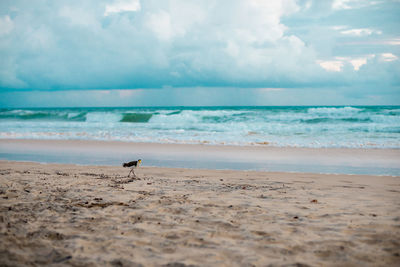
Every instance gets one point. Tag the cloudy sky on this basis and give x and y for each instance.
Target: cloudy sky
(192, 52)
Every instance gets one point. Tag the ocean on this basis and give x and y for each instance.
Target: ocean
(298, 126)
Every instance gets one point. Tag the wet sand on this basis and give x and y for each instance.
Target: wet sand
(94, 215)
(261, 158)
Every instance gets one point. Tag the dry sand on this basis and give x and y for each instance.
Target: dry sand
(90, 215)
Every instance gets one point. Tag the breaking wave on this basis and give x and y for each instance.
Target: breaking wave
(277, 126)
(41, 115)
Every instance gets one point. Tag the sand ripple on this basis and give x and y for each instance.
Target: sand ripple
(77, 215)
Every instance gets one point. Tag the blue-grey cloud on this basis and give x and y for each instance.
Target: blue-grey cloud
(127, 44)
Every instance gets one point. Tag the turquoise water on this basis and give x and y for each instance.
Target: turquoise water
(317, 126)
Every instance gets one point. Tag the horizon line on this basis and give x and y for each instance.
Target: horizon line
(191, 106)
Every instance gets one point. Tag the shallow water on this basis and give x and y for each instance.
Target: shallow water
(339, 161)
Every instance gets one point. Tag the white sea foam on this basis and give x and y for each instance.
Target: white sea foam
(334, 111)
(367, 127)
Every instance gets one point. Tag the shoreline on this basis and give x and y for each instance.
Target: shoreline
(96, 215)
(183, 169)
(256, 145)
(262, 158)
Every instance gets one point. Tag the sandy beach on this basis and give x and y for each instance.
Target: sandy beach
(58, 214)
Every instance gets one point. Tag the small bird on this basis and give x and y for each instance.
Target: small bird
(133, 165)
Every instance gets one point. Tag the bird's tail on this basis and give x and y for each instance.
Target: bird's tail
(125, 165)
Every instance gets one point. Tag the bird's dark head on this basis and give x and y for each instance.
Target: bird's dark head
(139, 161)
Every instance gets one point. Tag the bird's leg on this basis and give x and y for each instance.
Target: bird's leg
(134, 174)
(130, 173)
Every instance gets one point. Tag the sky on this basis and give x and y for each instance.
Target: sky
(190, 52)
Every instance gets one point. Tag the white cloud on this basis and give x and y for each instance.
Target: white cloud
(160, 24)
(360, 32)
(6, 25)
(77, 15)
(122, 6)
(389, 41)
(355, 32)
(341, 4)
(350, 4)
(331, 65)
(232, 49)
(339, 27)
(394, 41)
(338, 63)
(174, 20)
(307, 5)
(358, 62)
(388, 57)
